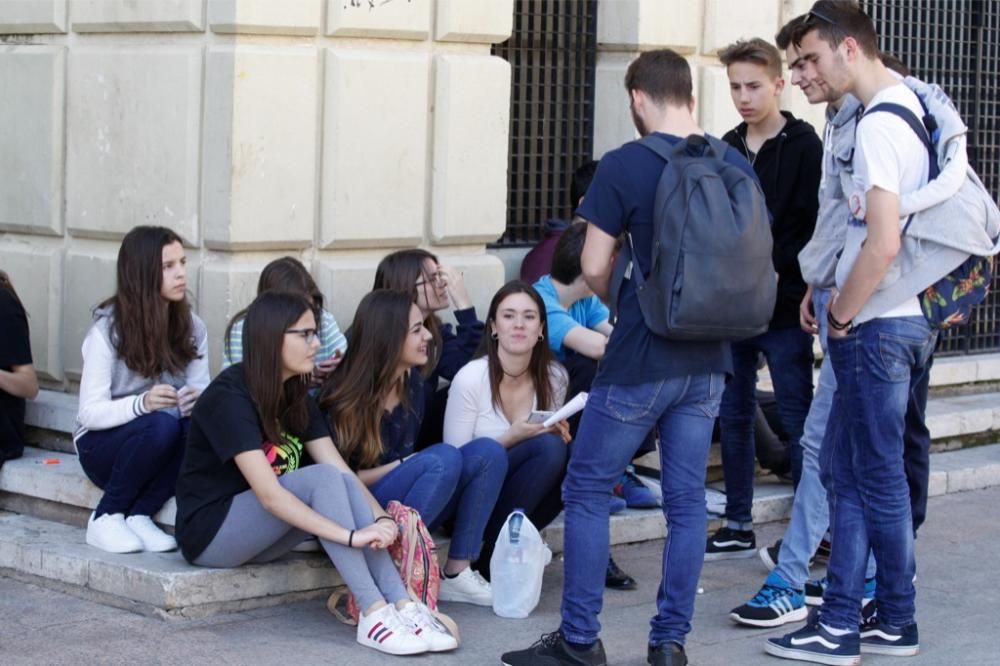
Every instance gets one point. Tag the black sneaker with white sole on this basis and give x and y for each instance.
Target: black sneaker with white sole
(554, 650)
(817, 644)
(877, 637)
(727, 544)
(769, 555)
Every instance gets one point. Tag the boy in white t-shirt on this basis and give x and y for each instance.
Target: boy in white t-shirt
(877, 350)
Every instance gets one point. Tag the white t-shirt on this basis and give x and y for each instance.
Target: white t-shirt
(470, 412)
(888, 154)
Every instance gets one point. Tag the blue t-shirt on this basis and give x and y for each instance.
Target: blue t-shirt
(587, 312)
(620, 199)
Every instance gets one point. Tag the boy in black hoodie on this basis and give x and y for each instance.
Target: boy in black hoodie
(787, 155)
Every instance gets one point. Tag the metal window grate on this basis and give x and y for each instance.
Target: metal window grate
(552, 52)
(956, 44)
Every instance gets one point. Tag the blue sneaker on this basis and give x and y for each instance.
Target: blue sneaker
(616, 505)
(878, 637)
(776, 604)
(815, 643)
(816, 588)
(634, 492)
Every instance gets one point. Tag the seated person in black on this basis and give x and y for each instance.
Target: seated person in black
(17, 375)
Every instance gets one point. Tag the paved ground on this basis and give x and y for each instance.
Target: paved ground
(957, 599)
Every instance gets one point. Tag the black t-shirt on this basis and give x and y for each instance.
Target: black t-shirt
(620, 199)
(15, 349)
(224, 424)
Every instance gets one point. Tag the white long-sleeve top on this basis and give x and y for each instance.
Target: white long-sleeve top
(111, 394)
(470, 412)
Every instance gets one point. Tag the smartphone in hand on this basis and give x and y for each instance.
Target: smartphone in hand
(537, 416)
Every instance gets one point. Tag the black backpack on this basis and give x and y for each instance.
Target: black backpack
(712, 276)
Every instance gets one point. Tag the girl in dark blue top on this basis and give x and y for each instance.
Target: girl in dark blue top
(375, 404)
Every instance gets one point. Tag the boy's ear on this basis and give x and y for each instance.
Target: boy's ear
(779, 85)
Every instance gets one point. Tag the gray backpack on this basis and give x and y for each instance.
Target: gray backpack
(712, 277)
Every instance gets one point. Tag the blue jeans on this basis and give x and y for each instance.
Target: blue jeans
(876, 365)
(790, 361)
(136, 464)
(443, 482)
(810, 511)
(615, 422)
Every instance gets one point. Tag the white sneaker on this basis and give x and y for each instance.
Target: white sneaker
(467, 587)
(109, 533)
(428, 627)
(153, 538)
(384, 630)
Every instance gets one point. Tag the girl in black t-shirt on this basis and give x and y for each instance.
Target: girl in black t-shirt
(17, 375)
(375, 404)
(241, 496)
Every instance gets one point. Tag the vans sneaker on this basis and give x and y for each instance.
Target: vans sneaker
(428, 627)
(384, 630)
(553, 650)
(153, 538)
(816, 588)
(814, 642)
(776, 603)
(727, 544)
(468, 587)
(769, 555)
(666, 654)
(109, 533)
(878, 637)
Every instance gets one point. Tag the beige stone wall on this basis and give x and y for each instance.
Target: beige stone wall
(333, 130)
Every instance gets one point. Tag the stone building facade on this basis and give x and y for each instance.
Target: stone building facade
(332, 130)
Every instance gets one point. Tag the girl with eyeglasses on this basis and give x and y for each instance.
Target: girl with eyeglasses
(145, 362)
(375, 405)
(242, 495)
(18, 381)
(431, 286)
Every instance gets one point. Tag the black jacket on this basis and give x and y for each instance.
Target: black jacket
(788, 166)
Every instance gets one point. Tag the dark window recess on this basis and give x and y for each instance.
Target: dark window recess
(956, 44)
(552, 54)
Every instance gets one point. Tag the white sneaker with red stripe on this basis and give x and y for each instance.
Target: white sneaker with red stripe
(384, 630)
(428, 627)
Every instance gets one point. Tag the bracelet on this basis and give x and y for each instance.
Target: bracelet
(350, 539)
(384, 518)
(837, 325)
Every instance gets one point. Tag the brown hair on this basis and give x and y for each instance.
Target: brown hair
(755, 51)
(281, 406)
(790, 32)
(354, 395)
(836, 20)
(894, 63)
(400, 271)
(150, 335)
(541, 355)
(663, 75)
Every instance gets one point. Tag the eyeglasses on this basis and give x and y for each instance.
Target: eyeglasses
(307, 334)
(435, 280)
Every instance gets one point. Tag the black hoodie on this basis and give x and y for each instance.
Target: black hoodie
(788, 166)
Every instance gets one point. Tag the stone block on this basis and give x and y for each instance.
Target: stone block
(487, 21)
(133, 140)
(959, 370)
(227, 286)
(715, 110)
(138, 15)
(32, 17)
(344, 279)
(612, 120)
(987, 368)
(378, 19)
(260, 147)
(53, 410)
(648, 24)
(937, 484)
(729, 20)
(792, 8)
(471, 128)
(265, 17)
(36, 271)
(31, 138)
(375, 165)
(973, 478)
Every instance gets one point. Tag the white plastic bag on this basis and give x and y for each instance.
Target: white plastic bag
(516, 567)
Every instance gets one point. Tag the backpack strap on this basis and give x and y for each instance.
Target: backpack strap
(921, 129)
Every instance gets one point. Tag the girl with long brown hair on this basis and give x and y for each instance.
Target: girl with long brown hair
(18, 381)
(375, 404)
(145, 362)
(494, 397)
(431, 285)
(242, 495)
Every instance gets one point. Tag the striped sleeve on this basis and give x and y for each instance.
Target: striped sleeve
(331, 340)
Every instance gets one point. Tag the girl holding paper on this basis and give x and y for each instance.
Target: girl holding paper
(494, 396)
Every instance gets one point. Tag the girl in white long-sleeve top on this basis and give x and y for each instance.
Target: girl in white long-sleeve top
(145, 362)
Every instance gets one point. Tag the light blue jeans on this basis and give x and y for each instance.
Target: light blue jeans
(810, 509)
